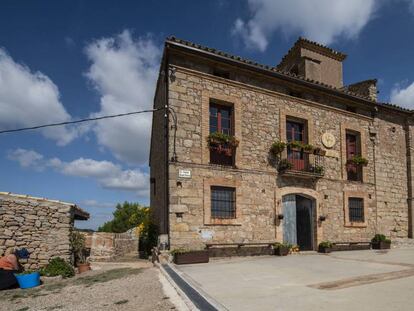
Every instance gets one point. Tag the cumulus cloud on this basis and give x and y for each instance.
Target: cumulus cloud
(30, 98)
(107, 174)
(27, 158)
(124, 71)
(319, 20)
(403, 96)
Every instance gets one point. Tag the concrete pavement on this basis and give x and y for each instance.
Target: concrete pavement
(359, 280)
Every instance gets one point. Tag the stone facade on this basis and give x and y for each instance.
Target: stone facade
(261, 104)
(110, 246)
(40, 225)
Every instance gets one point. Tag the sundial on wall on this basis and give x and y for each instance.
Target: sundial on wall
(328, 140)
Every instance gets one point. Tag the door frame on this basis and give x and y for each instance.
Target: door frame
(307, 193)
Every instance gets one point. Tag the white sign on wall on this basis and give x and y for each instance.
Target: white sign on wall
(184, 173)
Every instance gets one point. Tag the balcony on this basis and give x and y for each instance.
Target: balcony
(299, 163)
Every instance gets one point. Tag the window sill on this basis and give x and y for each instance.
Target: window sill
(356, 225)
(222, 222)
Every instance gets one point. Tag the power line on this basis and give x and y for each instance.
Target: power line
(78, 121)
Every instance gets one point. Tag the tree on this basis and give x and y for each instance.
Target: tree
(126, 216)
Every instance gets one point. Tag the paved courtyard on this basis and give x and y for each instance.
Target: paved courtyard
(357, 280)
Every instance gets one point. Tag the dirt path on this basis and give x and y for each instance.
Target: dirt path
(112, 286)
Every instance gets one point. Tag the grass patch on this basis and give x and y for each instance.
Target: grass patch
(107, 276)
(121, 302)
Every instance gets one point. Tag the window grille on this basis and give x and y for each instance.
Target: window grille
(356, 210)
(223, 202)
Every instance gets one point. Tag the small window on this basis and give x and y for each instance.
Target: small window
(353, 148)
(223, 202)
(356, 210)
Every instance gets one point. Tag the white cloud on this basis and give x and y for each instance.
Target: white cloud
(319, 20)
(26, 158)
(108, 175)
(124, 72)
(30, 98)
(403, 97)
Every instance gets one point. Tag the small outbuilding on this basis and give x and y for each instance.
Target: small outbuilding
(41, 225)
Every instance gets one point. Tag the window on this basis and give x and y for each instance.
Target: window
(295, 131)
(221, 120)
(356, 210)
(353, 148)
(223, 202)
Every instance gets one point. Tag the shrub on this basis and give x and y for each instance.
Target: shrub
(282, 245)
(77, 241)
(284, 165)
(218, 138)
(57, 266)
(380, 238)
(277, 147)
(296, 144)
(26, 272)
(308, 148)
(358, 160)
(179, 251)
(325, 244)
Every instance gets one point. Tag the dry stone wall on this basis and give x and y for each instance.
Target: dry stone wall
(109, 246)
(43, 227)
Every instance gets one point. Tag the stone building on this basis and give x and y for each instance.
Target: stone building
(344, 175)
(42, 226)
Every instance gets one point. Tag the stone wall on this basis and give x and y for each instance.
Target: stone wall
(110, 246)
(41, 226)
(259, 119)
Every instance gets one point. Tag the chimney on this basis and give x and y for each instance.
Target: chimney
(367, 88)
(314, 62)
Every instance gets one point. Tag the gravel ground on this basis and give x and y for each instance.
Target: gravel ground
(111, 286)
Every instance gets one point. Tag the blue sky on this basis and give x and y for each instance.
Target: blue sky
(63, 60)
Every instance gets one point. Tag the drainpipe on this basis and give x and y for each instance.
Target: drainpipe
(167, 144)
(408, 140)
(373, 138)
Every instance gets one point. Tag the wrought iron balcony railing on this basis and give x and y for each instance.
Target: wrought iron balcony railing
(301, 163)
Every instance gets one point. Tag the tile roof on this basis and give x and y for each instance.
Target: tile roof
(78, 211)
(271, 69)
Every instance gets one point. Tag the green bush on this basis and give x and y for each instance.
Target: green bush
(57, 266)
(325, 244)
(380, 238)
(282, 245)
(277, 147)
(179, 251)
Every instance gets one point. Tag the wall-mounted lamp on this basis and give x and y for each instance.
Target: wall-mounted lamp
(280, 216)
(322, 218)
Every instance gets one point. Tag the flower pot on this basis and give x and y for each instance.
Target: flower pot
(325, 250)
(281, 251)
(83, 267)
(191, 257)
(381, 245)
(28, 280)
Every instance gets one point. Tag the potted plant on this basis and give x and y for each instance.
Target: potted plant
(28, 279)
(325, 247)
(184, 256)
(222, 143)
(319, 151)
(319, 170)
(282, 249)
(358, 160)
(308, 148)
(277, 147)
(58, 267)
(284, 165)
(78, 246)
(380, 241)
(295, 145)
